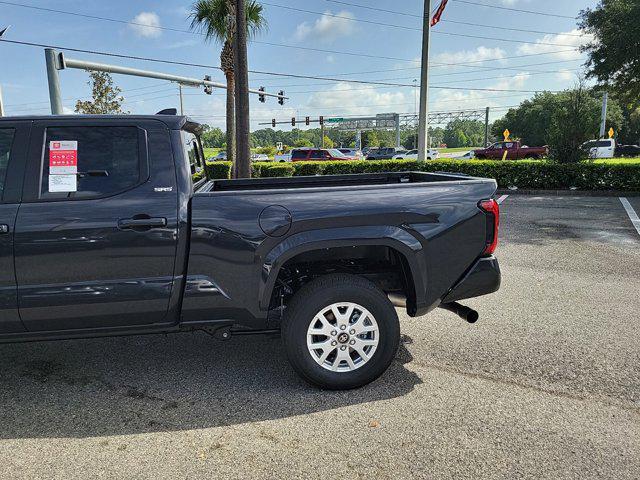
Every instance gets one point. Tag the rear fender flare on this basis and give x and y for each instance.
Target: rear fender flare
(387, 235)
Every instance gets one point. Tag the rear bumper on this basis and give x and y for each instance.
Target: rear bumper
(481, 279)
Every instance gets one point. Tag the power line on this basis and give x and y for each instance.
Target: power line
(418, 29)
(514, 68)
(129, 22)
(328, 79)
(87, 98)
(459, 1)
(533, 12)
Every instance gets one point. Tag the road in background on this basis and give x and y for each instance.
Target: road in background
(545, 385)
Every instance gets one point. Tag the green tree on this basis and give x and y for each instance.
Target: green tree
(370, 138)
(106, 96)
(532, 120)
(213, 137)
(328, 143)
(212, 18)
(464, 133)
(303, 142)
(614, 53)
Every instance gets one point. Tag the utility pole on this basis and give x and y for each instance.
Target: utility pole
(181, 105)
(54, 81)
(424, 82)
(396, 119)
(322, 135)
(1, 104)
(603, 118)
(243, 151)
(486, 128)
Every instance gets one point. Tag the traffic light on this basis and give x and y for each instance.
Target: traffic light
(208, 89)
(306, 120)
(273, 122)
(321, 120)
(293, 121)
(261, 96)
(281, 97)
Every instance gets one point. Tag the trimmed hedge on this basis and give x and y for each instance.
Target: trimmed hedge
(539, 175)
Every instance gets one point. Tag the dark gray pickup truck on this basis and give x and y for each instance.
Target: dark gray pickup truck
(104, 232)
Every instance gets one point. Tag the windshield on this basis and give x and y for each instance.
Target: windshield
(335, 152)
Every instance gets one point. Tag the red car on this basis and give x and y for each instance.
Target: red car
(514, 150)
(318, 154)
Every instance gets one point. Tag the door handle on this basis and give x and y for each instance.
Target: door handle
(133, 223)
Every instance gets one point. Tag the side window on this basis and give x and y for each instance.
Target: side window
(298, 154)
(508, 145)
(317, 154)
(6, 140)
(89, 162)
(192, 152)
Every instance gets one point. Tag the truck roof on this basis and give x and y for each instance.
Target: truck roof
(173, 122)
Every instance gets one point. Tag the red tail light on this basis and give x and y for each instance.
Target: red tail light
(492, 211)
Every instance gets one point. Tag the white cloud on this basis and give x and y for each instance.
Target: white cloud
(465, 56)
(326, 28)
(351, 99)
(565, 75)
(470, 99)
(146, 24)
(570, 42)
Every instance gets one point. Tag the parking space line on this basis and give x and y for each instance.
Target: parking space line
(502, 199)
(633, 216)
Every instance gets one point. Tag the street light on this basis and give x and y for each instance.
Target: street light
(4, 30)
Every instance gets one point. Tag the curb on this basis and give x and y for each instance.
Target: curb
(580, 193)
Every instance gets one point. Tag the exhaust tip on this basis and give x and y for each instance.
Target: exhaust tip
(466, 313)
(472, 316)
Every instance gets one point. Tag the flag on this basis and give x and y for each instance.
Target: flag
(436, 16)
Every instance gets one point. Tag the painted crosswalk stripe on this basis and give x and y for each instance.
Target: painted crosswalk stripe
(635, 220)
(502, 199)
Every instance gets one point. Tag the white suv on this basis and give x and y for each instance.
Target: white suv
(431, 154)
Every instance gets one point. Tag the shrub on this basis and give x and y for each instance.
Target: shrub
(218, 170)
(524, 174)
(269, 169)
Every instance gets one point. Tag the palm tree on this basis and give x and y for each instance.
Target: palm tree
(211, 17)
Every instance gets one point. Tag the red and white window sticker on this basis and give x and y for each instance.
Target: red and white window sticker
(63, 165)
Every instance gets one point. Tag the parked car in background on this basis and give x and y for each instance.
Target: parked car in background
(221, 156)
(259, 157)
(431, 154)
(352, 152)
(607, 148)
(317, 154)
(282, 157)
(382, 153)
(515, 151)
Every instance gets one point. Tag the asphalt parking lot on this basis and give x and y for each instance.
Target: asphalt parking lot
(545, 385)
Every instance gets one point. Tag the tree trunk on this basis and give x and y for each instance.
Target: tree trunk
(231, 130)
(243, 157)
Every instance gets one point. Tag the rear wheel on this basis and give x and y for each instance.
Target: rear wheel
(340, 331)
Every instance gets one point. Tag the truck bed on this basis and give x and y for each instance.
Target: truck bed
(324, 181)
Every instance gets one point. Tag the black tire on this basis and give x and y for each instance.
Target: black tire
(321, 293)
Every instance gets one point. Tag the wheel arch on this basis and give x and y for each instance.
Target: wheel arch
(408, 249)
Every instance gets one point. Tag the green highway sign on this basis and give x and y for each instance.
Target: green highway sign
(334, 120)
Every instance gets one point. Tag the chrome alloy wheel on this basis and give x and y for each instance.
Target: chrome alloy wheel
(342, 337)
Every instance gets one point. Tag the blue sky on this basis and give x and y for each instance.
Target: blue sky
(389, 51)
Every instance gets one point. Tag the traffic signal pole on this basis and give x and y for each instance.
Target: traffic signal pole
(424, 82)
